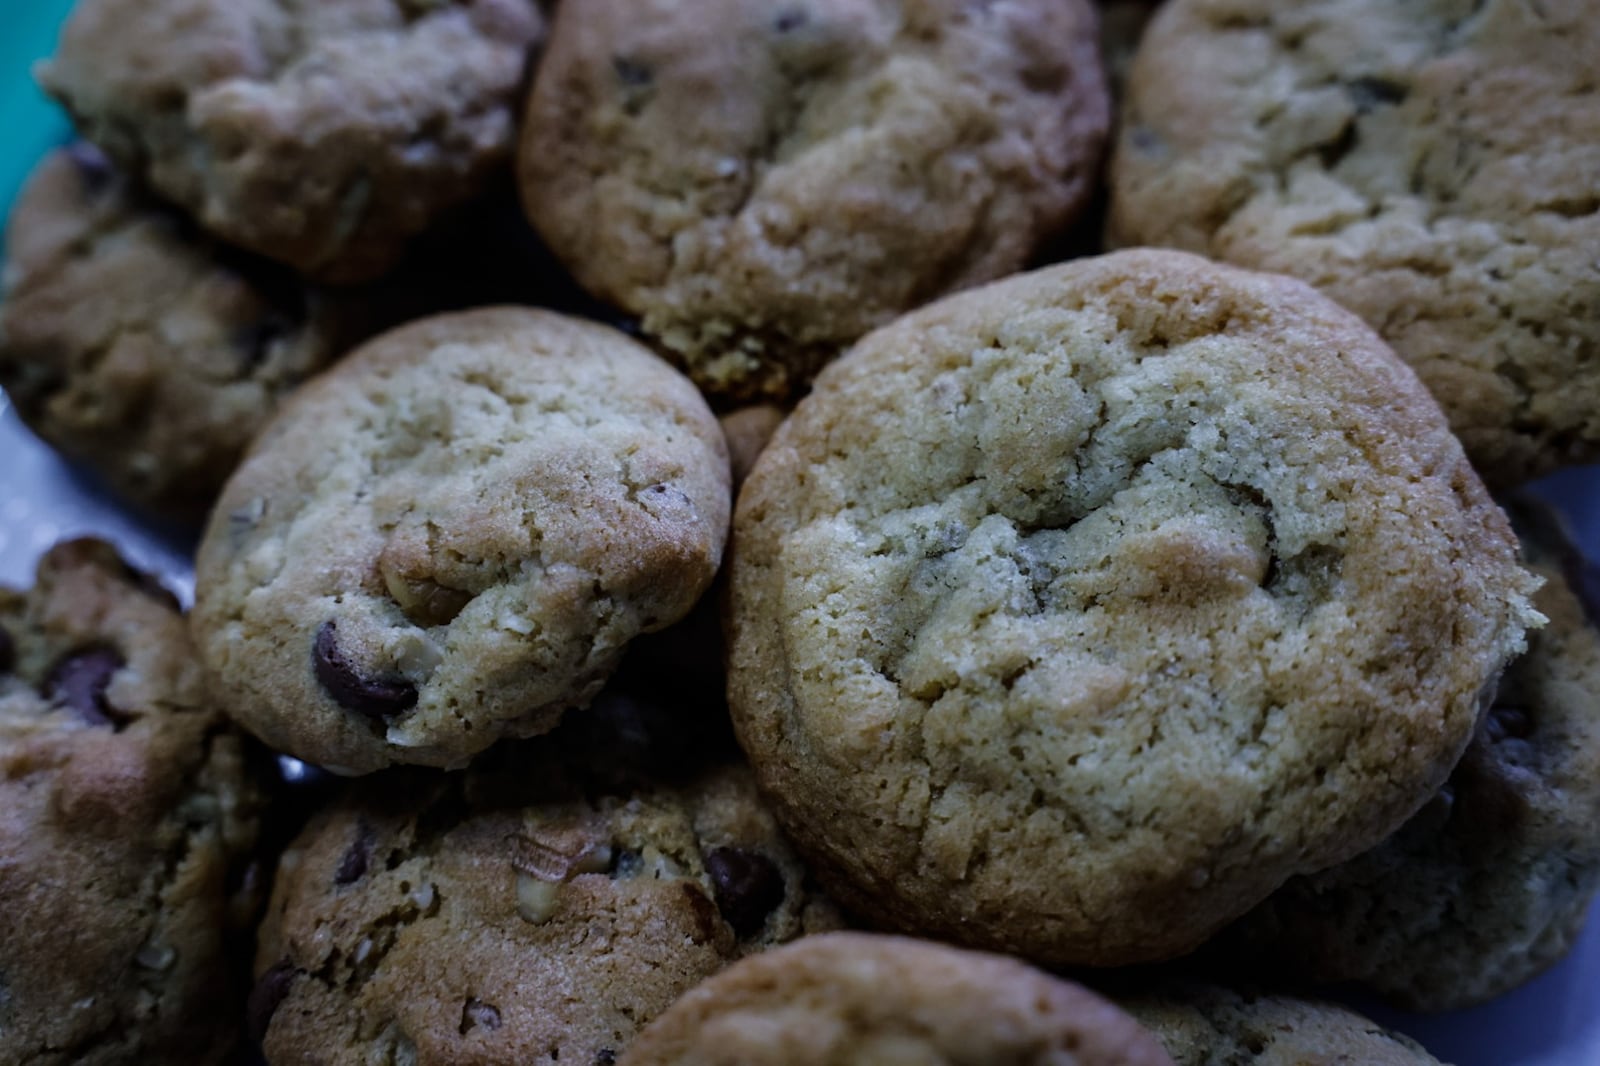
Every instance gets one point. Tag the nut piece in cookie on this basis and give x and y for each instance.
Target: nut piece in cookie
(1489, 883)
(323, 135)
(539, 906)
(1432, 166)
(136, 345)
(128, 813)
(1073, 615)
(761, 183)
(1201, 1025)
(859, 997)
(452, 537)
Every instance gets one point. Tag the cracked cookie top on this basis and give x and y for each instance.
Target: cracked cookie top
(128, 813)
(1073, 615)
(856, 999)
(1202, 1025)
(1490, 882)
(1432, 165)
(451, 537)
(135, 344)
(544, 905)
(763, 183)
(323, 135)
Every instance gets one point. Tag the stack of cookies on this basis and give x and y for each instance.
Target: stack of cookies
(707, 554)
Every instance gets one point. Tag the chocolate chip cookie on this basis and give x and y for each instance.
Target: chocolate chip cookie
(1431, 165)
(861, 998)
(1073, 615)
(544, 905)
(1490, 882)
(763, 183)
(128, 810)
(452, 536)
(134, 344)
(1201, 1025)
(321, 135)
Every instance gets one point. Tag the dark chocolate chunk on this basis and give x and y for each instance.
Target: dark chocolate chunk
(377, 697)
(477, 1014)
(749, 886)
(353, 863)
(8, 651)
(1503, 722)
(265, 998)
(79, 680)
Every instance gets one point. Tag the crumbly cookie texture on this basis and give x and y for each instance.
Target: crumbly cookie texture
(1489, 883)
(128, 811)
(452, 536)
(1431, 165)
(139, 347)
(323, 135)
(1073, 615)
(763, 183)
(1201, 1025)
(844, 999)
(542, 906)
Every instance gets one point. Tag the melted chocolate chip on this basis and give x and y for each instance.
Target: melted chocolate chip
(376, 697)
(705, 912)
(353, 863)
(749, 886)
(1507, 722)
(266, 997)
(8, 651)
(79, 680)
(477, 1014)
(94, 169)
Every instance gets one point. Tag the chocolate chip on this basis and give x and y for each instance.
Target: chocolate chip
(265, 998)
(79, 679)
(1370, 93)
(376, 697)
(605, 1057)
(705, 912)
(749, 886)
(94, 169)
(790, 19)
(475, 1014)
(1503, 722)
(353, 863)
(8, 651)
(631, 72)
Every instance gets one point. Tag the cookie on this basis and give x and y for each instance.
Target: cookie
(762, 184)
(858, 997)
(748, 430)
(1071, 616)
(1431, 165)
(1490, 882)
(128, 812)
(452, 536)
(142, 349)
(544, 905)
(324, 136)
(1201, 1025)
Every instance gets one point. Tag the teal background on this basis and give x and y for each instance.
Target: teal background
(29, 122)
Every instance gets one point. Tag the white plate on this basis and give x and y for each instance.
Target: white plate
(1552, 1021)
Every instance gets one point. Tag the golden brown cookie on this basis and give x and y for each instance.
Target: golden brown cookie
(1073, 615)
(452, 536)
(763, 183)
(323, 135)
(128, 813)
(844, 999)
(1431, 165)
